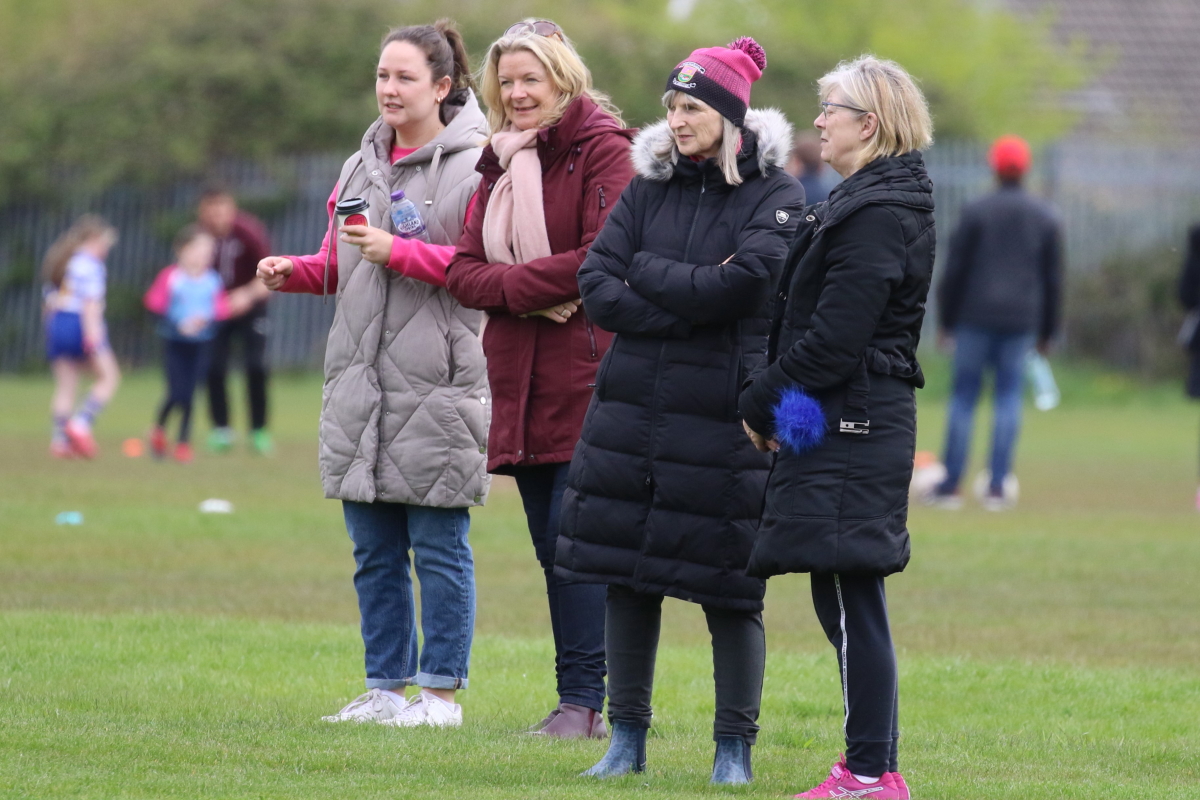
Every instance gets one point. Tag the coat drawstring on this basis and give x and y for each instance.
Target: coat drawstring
(578, 151)
(433, 174)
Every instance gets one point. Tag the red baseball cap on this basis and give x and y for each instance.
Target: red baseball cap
(1010, 157)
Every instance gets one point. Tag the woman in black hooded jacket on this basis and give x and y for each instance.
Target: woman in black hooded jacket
(836, 402)
(664, 491)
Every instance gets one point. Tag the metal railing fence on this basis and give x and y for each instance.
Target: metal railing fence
(1115, 200)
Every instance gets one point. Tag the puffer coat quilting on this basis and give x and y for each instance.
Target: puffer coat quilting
(665, 490)
(406, 407)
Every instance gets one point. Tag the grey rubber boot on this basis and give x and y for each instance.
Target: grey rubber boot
(731, 764)
(626, 752)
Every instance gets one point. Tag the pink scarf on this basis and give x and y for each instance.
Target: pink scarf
(514, 224)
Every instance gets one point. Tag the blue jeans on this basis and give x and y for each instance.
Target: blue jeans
(977, 349)
(383, 533)
(576, 609)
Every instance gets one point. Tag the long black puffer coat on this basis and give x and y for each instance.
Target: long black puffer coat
(665, 490)
(845, 332)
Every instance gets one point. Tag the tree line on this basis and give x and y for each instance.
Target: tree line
(108, 91)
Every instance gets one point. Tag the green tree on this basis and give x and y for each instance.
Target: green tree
(110, 90)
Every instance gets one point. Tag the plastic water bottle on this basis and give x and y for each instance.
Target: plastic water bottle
(1045, 391)
(406, 219)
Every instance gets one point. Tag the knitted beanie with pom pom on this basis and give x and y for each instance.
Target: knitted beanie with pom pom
(721, 76)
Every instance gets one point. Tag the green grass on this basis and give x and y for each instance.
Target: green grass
(156, 652)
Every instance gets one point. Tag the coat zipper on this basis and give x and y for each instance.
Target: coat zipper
(687, 249)
(603, 203)
(587, 323)
(662, 350)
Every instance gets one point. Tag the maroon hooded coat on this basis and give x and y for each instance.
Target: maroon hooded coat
(542, 372)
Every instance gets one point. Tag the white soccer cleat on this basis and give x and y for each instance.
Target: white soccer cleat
(425, 709)
(374, 706)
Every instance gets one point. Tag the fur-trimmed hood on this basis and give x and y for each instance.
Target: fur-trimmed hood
(654, 154)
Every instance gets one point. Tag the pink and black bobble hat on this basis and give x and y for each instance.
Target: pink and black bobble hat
(721, 76)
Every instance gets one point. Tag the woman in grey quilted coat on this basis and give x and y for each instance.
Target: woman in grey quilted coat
(406, 407)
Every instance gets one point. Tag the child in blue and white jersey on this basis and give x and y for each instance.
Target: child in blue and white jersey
(76, 336)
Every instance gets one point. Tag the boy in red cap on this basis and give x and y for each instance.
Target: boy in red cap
(999, 297)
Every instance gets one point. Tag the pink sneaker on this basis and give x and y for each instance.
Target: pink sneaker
(79, 434)
(901, 786)
(841, 783)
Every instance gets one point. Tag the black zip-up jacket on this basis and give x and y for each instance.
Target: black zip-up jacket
(847, 323)
(665, 490)
(1003, 271)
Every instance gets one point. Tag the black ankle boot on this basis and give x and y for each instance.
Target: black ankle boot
(626, 752)
(731, 764)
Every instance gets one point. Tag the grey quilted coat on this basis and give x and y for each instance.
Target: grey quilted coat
(406, 407)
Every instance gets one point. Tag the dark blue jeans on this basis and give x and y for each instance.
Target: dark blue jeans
(184, 361)
(975, 350)
(383, 533)
(576, 609)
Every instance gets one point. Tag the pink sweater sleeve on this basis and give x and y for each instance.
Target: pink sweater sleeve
(158, 296)
(424, 262)
(308, 272)
(221, 309)
(410, 257)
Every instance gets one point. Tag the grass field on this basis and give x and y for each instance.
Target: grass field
(154, 652)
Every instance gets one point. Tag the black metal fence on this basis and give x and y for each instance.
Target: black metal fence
(1115, 200)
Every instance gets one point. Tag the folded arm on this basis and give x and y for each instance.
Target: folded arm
(544, 282)
(607, 298)
(717, 293)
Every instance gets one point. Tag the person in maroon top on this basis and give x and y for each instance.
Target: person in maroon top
(242, 242)
(559, 153)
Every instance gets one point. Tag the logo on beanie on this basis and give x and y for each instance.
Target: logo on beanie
(781, 216)
(687, 71)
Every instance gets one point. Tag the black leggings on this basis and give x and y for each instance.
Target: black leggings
(853, 611)
(739, 645)
(251, 328)
(185, 363)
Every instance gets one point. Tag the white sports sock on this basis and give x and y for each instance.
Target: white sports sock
(865, 780)
(397, 697)
(433, 696)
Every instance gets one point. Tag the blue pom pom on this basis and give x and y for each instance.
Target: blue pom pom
(799, 421)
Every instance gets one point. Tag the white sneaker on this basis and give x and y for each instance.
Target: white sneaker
(1005, 501)
(425, 709)
(376, 705)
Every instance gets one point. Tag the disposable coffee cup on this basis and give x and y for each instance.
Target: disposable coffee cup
(352, 212)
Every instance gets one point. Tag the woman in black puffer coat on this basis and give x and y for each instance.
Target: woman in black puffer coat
(664, 491)
(837, 401)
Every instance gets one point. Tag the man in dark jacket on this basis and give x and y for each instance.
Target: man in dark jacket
(999, 297)
(241, 243)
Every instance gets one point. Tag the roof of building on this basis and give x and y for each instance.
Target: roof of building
(1150, 72)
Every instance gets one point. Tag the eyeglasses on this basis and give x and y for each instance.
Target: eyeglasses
(542, 27)
(825, 106)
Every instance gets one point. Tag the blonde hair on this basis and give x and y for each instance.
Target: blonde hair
(886, 90)
(86, 228)
(731, 139)
(563, 65)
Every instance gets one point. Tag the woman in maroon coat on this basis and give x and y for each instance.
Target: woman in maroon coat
(556, 164)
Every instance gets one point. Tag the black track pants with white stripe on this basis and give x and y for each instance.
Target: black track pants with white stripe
(853, 611)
